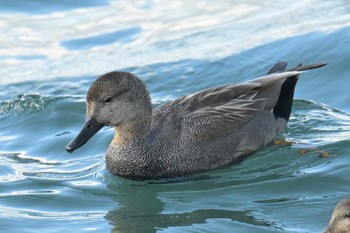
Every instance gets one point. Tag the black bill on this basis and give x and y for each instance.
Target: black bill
(90, 128)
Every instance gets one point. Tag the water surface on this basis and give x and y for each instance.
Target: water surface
(53, 51)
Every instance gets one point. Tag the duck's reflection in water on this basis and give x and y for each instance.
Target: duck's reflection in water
(141, 210)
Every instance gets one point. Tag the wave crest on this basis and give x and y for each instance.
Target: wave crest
(24, 103)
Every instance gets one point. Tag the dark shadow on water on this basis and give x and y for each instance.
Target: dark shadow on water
(140, 210)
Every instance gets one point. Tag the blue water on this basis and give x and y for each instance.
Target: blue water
(50, 53)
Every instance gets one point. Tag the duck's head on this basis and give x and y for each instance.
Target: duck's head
(116, 99)
(340, 220)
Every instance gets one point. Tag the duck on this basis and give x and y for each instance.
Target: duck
(340, 220)
(210, 129)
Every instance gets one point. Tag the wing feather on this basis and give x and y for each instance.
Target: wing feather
(218, 111)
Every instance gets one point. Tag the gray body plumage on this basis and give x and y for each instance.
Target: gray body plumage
(171, 152)
(210, 129)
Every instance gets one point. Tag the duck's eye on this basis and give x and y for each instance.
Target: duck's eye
(347, 215)
(108, 99)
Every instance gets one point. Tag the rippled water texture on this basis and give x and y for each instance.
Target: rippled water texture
(50, 53)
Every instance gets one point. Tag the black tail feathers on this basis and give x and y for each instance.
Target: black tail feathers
(284, 103)
(309, 67)
(278, 67)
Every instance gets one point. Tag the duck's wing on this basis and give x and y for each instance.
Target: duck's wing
(220, 110)
(238, 96)
(212, 122)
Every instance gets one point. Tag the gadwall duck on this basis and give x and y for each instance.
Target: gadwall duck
(340, 220)
(207, 130)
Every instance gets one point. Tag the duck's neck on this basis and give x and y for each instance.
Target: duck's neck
(129, 131)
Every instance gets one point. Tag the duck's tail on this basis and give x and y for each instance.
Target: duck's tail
(284, 103)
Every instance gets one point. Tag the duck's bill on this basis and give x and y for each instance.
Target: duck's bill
(90, 128)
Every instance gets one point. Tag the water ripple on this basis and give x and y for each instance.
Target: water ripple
(318, 124)
(27, 213)
(20, 166)
(120, 36)
(24, 103)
